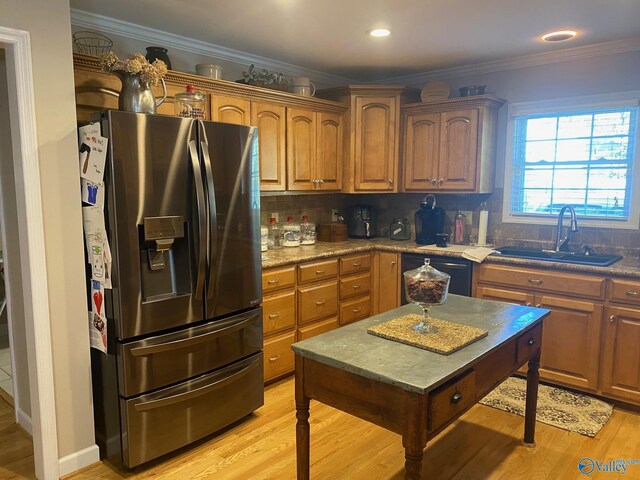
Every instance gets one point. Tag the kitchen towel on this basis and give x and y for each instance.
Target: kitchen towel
(477, 254)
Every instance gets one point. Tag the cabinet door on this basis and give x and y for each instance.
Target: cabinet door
(227, 109)
(570, 341)
(376, 156)
(621, 353)
(271, 122)
(329, 151)
(387, 282)
(505, 295)
(301, 149)
(458, 148)
(421, 150)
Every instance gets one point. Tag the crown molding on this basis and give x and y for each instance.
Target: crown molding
(105, 24)
(523, 61)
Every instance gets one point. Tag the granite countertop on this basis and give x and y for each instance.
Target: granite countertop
(627, 267)
(352, 349)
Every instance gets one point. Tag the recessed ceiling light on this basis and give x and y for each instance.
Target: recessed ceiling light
(379, 32)
(559, 36)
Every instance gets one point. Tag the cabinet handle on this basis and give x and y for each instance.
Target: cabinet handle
(631, 293)
(531, 341)
(440, 181)
(356, 310)
(535, 281)
(273, 359)
(274, 281)
(320, 181)
(356, 264)
(320, 302)
(433, 181)
(356, 286)
(527, 304)
(392, 263)
(390, 181)
(537, 305)
(319, 272)
(274, 315)
(456, 397)
(612, 318)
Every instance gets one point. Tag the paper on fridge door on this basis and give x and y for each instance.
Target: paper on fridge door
(92, 193)
(97, 318)
(93, 156)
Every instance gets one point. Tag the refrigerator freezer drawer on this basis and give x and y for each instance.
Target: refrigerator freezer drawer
(163, 360)
(163, 421)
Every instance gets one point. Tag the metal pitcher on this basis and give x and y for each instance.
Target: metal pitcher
(136, 95)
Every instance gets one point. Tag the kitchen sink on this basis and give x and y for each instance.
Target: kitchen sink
(563, 257)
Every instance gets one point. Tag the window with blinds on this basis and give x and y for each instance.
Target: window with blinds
(581, 158)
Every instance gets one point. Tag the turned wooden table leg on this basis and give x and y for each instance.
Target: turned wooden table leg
(302, 424)
(533, 377)
(414, 438)
(413, 464)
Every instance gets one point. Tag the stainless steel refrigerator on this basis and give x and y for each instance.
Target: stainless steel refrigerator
(184, 324)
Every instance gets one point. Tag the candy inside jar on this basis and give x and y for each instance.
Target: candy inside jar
(426, 286)
(190, 104)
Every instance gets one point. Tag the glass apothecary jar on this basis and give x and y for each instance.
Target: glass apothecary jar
(190, 104)
(426, 286)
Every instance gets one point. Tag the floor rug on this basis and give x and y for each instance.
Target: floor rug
(563, 409)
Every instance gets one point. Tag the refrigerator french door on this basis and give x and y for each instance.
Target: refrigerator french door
(184, 323)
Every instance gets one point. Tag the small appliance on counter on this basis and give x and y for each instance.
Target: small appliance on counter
(429, 221)
(399, 229)
(362, 222)
(332, 232)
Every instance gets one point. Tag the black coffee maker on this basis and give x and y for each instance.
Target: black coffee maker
(362, 222)
(429, 221)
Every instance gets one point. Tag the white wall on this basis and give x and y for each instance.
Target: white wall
(48, 22)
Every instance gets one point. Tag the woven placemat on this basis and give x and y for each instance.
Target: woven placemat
(449, 338)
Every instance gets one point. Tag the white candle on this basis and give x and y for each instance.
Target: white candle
(482, 227)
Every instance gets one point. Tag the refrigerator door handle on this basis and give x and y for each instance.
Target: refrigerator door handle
(213, 220)
(202, 219)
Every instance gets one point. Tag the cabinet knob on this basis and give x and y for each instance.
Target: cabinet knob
(538, 305)
(356, 264)
(440, 181)
(612, 318)
(392, 263)
(433, 181)
(527, 304)
(531, 341)
(320, 181)
(456, 397)
(390, 181)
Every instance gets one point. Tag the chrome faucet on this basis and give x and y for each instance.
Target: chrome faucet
(562, 244)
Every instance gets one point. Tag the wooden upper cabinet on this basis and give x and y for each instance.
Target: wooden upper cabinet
(228, 109)
(301, 149)
(271, 122)
(449, 146)
(329, 152)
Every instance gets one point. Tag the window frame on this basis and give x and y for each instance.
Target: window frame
(564, 105)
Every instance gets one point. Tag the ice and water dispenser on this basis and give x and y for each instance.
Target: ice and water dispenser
(164, 258)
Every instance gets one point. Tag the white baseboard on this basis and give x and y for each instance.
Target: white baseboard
(24, 421)
(78, 460)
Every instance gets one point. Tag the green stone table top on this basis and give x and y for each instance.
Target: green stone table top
(352, 349)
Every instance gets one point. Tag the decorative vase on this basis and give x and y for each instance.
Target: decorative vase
(136, 95)
(158, 53)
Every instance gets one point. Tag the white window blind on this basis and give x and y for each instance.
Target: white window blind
(581, 158)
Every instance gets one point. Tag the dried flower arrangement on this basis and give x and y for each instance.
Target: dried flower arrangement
(150, 73)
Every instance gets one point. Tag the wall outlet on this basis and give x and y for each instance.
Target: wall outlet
(276, 215)
(469, 216)
(334, 215)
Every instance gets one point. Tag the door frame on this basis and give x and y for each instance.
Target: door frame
(24, 143)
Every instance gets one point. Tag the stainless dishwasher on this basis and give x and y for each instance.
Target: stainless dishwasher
(458, 268)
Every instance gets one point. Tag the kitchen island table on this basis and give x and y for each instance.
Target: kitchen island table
(413, 392)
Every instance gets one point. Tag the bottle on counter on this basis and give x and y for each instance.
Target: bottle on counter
(307, 231)
(458, 228)
(264, 238)
(275, 239)
(291, 231)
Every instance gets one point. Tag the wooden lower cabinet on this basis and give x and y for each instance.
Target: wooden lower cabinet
(278, 356)
(317, 328)
(317, 301)
(387, 285)
(620, 369)
(354, 310)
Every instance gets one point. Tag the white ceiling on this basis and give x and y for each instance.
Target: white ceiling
(330, 35)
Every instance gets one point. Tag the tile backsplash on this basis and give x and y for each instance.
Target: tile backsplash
(404, 205)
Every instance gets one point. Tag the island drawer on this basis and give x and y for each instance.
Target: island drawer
(317, 301)
(279, 312)
(312, 272)
(494, 368)
(317, 328)
(528, 344)
(626, 291)
(277, 278)
(355, 263)
(543, 280)
(451, 399)
(353, 310)
(354, 285)
(278, 356)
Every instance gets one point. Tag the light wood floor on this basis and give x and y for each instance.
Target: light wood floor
(16, 449)
(482, 444)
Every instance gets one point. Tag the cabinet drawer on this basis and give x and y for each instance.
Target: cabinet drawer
(355, 263)
(317, 328)
(311, 272)
(626, 291)
(451, 399)
(543, 280)
(494, 368)
(278, 278)
(528, 344)
(354, 285)
(317, 301)
(279, 312)
(278, 356)
(355, 309)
